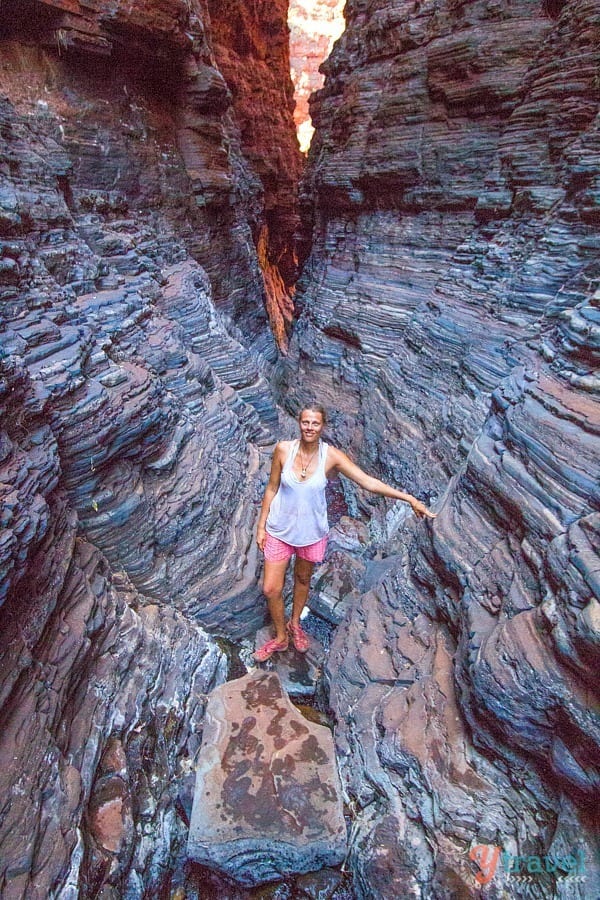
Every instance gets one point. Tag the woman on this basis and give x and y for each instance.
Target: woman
(293, 519)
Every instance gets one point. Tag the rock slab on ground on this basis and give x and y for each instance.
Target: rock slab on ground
(268, 799)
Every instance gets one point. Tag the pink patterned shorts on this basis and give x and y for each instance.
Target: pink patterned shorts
(276, 550)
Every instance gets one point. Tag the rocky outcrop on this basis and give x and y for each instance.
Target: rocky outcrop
(145, 113)
(449, 320)
(145, 385)
(267, 801)
(102, 690)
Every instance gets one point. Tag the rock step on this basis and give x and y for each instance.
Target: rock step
(298, 672)
(268, 800)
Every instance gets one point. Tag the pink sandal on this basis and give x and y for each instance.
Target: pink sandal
(299, 637)
(267, 650)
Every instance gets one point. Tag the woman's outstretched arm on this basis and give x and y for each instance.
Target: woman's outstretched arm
(270, 491)
(345, 466)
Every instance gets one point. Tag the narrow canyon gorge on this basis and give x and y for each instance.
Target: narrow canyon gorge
(177, 280)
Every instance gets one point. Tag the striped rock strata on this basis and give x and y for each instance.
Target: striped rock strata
(450, 319)
(156, 404)
(102, 690)
(155, 64)
(134, 356)
(251, 44)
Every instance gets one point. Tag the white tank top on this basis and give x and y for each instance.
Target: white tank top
(298, 512)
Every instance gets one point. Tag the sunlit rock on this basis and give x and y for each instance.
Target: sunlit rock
(315, 25)
(450, 310)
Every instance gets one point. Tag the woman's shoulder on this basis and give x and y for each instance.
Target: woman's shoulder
(283, 447)
(336, 459)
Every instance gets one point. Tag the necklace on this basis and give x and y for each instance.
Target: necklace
(305, 466)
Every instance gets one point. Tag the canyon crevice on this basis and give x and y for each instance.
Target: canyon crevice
(155, 213)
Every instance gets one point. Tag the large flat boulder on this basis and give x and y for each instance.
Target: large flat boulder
(268, 798)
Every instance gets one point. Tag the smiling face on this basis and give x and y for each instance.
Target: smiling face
(311, 425)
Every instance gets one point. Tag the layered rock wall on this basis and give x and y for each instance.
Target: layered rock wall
(154, 67)
(314, 28)
(449, 319)
(423, 185)
(146, 382)
(102, 691)
(135, 352)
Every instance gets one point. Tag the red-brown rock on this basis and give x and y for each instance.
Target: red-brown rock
(267, 801)
(251, 45)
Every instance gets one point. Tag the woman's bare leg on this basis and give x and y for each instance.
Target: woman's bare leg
(273, 580)
(303, 570)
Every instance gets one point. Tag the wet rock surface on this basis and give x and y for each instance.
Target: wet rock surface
(267, 801)
(297, 672)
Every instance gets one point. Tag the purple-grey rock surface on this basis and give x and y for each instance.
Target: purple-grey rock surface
(450, 316)
(135, 412)
(102, 690)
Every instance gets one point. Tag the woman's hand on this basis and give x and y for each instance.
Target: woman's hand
(261, 535)
(421, 510)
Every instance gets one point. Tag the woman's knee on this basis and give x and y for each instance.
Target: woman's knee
(274, 578)
(302, 576)
(272, 590)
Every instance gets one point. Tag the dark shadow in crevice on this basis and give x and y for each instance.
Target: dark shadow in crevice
(150, 64)
(553, 8)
